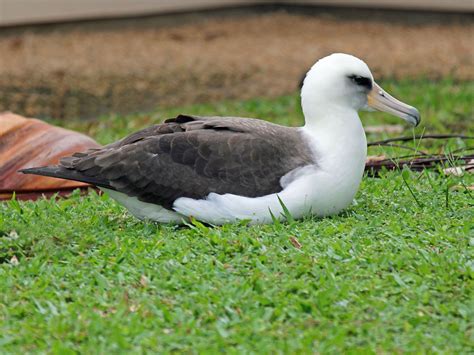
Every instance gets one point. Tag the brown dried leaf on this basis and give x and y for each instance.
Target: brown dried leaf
(126, 297)
(295, 242)
(14, 260)
(375, 158)
(144, 281)
(13, 234)
(105, 313)
(456, 171)
(460, 170)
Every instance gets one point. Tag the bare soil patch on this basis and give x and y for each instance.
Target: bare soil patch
(78, 73)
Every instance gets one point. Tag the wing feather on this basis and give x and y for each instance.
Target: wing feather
(191, 156)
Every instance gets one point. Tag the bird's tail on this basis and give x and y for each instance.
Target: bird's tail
(60, 172)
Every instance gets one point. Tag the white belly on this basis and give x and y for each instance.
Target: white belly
(314, 193)
(145, 211)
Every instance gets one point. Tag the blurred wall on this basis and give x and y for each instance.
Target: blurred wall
(35, 11)
(435, 5)
(16, 12)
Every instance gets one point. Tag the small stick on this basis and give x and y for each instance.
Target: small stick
(426, 136)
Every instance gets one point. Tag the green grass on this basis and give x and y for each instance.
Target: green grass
(393, 273)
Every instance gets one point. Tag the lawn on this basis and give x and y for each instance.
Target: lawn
(392, 273)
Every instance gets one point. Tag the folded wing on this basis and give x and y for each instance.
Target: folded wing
(191, 156)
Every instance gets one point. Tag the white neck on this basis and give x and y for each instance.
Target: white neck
(337, 137)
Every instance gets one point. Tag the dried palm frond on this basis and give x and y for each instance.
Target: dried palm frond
(29, 142)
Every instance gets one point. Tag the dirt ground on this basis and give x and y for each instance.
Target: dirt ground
(82, 73)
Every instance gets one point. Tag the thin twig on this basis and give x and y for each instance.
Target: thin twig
(403, 147)
(427, 136)
(467, 149)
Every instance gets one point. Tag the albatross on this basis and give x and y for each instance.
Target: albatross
(225, 169)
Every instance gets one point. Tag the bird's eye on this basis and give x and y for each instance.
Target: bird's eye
(361, 81)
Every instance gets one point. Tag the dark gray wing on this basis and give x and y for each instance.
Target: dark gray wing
(190, 156)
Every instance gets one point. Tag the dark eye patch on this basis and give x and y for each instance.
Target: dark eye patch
(361, 81)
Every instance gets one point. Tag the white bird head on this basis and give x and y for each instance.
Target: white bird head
(342, 81)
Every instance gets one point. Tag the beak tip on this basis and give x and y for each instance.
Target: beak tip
(415, 114)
